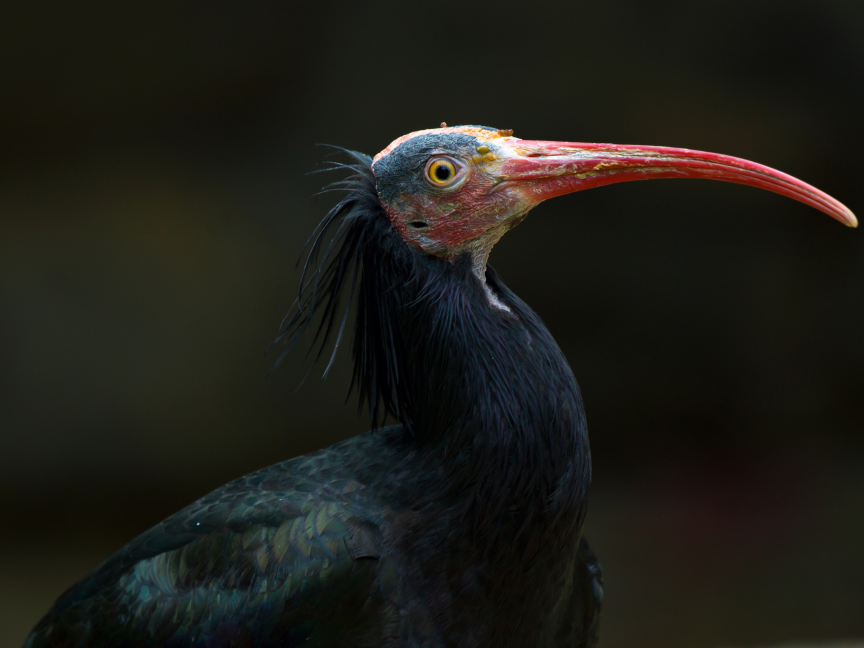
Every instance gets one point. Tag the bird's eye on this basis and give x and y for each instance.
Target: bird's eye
(441, 172)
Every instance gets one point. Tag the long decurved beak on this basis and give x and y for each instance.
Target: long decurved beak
(541, 170)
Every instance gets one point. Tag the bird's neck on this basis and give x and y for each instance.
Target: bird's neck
(492, 408)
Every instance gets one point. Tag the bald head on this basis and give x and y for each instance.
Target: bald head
(480, 133)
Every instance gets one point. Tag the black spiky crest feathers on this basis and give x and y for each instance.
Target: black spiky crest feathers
(345, 258)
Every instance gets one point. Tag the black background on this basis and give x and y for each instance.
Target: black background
(152, 205)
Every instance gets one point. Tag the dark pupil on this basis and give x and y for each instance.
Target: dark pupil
(442, 172)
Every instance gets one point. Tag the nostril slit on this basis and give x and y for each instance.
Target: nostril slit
(418, 224)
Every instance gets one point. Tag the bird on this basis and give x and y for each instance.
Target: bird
(460, 522)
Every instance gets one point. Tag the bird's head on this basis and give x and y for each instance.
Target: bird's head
(453, 190)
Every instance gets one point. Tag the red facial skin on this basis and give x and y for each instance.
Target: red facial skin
(456, 216)
(508, 176)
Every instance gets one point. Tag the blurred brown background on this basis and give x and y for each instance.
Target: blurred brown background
(152, 205)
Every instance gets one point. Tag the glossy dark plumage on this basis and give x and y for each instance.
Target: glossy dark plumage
(459, 527)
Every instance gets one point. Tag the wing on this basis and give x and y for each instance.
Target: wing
(243, 566)
(308, 580)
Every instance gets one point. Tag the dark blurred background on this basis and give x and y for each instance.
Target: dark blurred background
(152, 206)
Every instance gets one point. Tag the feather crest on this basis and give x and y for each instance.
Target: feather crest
(339, 269)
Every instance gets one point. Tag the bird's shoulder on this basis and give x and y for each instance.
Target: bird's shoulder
(284, 537)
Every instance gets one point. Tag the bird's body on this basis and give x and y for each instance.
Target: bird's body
(298, 554)
(462, 526)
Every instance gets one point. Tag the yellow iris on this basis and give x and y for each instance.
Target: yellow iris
(441, 171)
